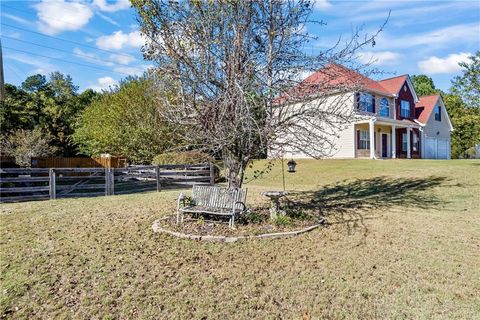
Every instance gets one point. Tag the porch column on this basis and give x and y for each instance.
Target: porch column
(371, 130)
(409, 153)
(394, 141)
(422, 138)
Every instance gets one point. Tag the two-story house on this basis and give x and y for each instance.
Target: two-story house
(390, 120)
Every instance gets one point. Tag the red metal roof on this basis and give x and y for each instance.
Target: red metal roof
(425, 106)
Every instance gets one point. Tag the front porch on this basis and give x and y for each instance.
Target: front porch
(383, 139)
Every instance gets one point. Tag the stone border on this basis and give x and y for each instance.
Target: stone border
(156, 228)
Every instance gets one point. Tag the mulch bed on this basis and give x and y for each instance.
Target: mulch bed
(203, 225)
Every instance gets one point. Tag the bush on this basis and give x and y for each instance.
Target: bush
(186, 157)
(24, 145)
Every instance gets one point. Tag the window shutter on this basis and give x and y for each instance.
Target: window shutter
(357, 100)
(373, 97)
(358, 139)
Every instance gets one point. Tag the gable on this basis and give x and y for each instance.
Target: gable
(444, 120)
(395, 85)
(425, 112)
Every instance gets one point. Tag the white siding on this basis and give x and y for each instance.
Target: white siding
(433, 126)
(344, 146)
(343, 140)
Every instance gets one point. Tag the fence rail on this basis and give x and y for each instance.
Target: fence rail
(23, 184)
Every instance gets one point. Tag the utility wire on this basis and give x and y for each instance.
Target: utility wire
(61, 39)
(66, 61)
(66, 51)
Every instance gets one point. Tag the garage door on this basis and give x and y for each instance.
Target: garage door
(442, 149)
(436, 148)
(430, 148)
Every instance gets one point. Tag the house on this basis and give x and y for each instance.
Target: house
(390, 120)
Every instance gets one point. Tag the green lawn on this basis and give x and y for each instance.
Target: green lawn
(403, 242)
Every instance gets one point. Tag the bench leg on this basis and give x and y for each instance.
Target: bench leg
(179, 217)
(232, 222)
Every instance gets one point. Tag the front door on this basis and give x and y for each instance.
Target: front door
(384, 145)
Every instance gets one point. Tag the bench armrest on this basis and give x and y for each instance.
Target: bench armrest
(181, 198)
(243, 205)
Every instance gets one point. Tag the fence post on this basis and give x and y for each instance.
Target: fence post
(157, 176)
(107, 182)
(112, 180)
(212, 174)
(52, 184)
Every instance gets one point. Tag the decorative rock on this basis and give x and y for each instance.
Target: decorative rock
(156, 228)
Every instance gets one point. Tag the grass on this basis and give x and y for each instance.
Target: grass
(403, 242)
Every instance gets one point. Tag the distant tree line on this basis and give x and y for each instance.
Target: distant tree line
(48, 116)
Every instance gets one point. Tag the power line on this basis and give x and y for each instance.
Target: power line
(66, 51)
(61, 39)
(66, 61)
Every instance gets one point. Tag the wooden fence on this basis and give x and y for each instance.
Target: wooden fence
(79, 162)
(23, 184)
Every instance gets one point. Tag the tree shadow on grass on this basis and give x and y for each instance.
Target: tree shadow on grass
(352, 202)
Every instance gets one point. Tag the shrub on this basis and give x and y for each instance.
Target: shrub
(282, 220)
(253, 217)
(24, 145)
(186, 157)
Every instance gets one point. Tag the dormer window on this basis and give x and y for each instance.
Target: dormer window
(365, 103)
(384, 109)
(438, 113)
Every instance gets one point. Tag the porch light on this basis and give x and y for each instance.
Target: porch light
(291, 166)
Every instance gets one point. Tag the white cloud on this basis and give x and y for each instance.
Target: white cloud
(379, 58)
(16, 19)
(112, 60)
(132, 71)
(322, 4)
(58, 16)
(105, 6)
(91, 57)
(448, 64)
(462, 33)
(122, 58)
(104, 83)
(118, 40)
(41, 65)
(108, 19)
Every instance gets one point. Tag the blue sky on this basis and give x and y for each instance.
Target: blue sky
(98, 43)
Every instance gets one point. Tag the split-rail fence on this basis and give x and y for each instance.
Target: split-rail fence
(24, 184)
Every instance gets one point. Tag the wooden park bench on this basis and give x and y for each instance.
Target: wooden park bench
(215, 201)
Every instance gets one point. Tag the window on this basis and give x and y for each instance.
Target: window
(405, 109)
(384, 110)
(365, 102)
(438, 113)
(404, 142)
(363, 139)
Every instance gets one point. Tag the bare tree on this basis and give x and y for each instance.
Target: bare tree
(236, 66)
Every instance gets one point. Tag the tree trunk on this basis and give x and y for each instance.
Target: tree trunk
(235, 169)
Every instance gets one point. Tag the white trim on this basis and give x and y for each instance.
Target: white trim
(371, 132)
(409, 146)
(394, 141)
(410, 86)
